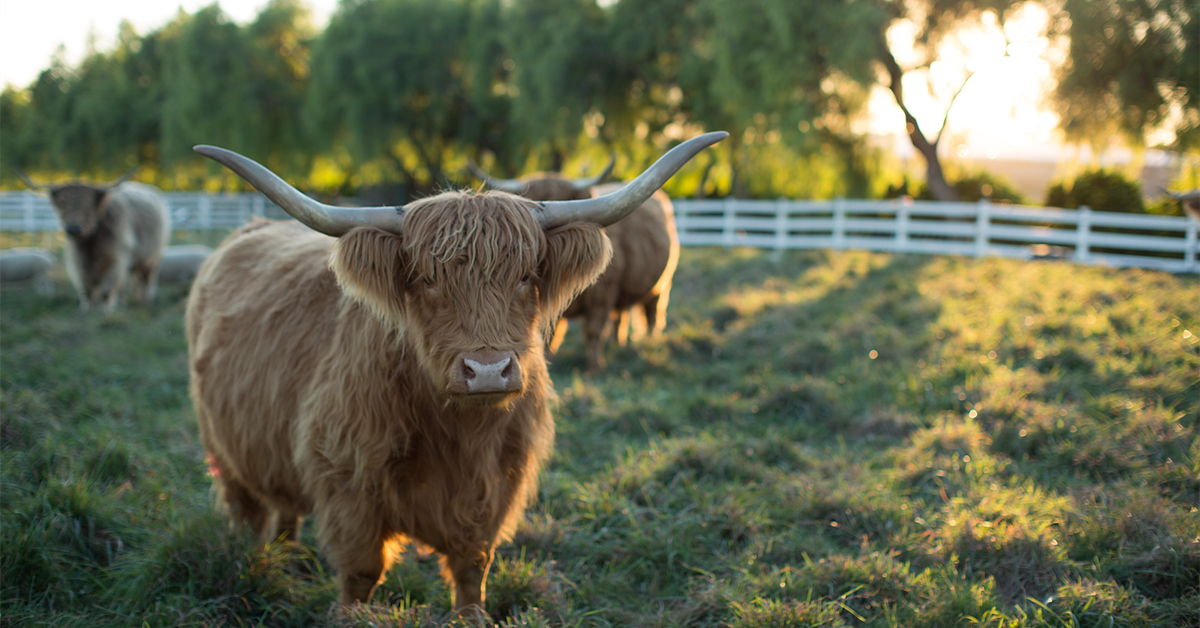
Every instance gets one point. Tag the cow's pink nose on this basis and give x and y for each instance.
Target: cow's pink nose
(490, 372)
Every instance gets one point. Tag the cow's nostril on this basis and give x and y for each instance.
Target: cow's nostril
(508, 368)
(467, 371)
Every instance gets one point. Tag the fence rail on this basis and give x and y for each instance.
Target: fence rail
(978, 229)
(973, 229)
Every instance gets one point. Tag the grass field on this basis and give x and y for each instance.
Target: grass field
(833, 439)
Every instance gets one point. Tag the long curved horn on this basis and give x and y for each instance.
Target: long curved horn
(327, 219)
(30, 182)
(610, 208)
(512, 186)
(125, 177)
(584, 183)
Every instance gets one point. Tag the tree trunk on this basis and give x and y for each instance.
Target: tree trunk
(935, 179)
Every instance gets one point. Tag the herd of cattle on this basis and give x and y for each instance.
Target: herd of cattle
(383, 369)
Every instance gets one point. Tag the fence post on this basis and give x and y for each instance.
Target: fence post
(982, 222)
(206, 226)
(1082, 229)
(1190, 244)
(839, 223)
(902, 228)
(28, 214)
(727, 230)
(781, 215)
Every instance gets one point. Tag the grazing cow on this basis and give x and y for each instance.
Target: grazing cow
(115, 237)
(1190, 202)
(391, 380)
(27, 263)
(181, 264)
(645, 253)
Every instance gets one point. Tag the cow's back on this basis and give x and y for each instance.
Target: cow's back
(260, 313)
(148, 220)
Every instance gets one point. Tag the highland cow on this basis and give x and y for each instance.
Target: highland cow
(645, 254)
(391, 380)
(115, 237)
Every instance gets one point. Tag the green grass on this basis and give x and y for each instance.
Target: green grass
(833, 439)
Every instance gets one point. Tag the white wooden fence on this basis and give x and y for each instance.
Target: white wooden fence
(972, 229)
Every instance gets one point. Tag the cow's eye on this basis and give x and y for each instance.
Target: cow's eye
(428, 282)
(525, 279)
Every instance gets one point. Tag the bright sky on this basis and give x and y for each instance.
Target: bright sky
(32, 30)
(999, 113)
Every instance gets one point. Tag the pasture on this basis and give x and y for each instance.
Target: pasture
(830, 439)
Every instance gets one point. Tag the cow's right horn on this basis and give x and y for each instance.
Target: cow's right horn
(327, 219)
(584, 183)
(28, 181)
(512, 186)
(610, 208)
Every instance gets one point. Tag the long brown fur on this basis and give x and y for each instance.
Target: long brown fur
(645, 254)
(121, 234)
(319, 372)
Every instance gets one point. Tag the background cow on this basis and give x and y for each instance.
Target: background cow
(645, 254)
(391, 380)
(115, 237)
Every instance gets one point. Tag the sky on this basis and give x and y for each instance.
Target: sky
(32, 30)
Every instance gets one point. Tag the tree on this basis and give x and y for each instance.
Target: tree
(933, 21)
(391, 82)
(1131, 69)
(561, 69)
(770, 72)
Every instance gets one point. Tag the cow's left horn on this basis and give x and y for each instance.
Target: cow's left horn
(610, 208)
(327, 219)
(125, 177)
(584, 183)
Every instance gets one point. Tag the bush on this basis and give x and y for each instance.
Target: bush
(1102, 190)
(972, 187)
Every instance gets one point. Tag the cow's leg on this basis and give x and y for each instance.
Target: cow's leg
(621, 322)
(151, 284)
(137, 284)
(595, 331)
(656, 311)
(243, 505)
(357, 547)
(560, 332)
(468, 571)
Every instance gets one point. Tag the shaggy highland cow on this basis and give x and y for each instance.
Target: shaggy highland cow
(645, 253)
(391, 380)
(115, 237)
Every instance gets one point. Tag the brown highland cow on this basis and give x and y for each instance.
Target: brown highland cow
(391, 380)
(645, 254)
(115, 237)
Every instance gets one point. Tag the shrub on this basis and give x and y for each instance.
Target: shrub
(972, 187)
(1102, 190)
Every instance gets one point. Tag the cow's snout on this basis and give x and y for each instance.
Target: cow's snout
(74, 229)
(488, 373)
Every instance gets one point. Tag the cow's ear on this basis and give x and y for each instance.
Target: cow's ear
(576, 256)
(369, 266)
